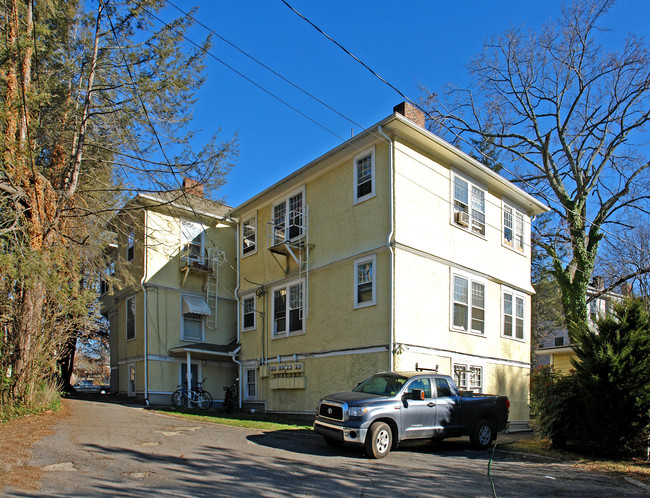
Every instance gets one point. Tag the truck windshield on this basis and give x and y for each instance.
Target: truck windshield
(382, 384)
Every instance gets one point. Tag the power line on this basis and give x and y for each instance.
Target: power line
(532, 187)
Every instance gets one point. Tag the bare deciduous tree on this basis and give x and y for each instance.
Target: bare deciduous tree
(568, 117)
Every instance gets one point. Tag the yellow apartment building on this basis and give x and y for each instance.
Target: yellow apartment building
(175, 318)
(391, 250)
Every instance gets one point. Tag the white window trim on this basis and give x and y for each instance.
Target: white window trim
(252, 366)
(182, 325)
(285, 200)
(515, 295)
(286, 286)
(470, 278)
(132, 386)
(254, 298)
(357, 262)
(452, 218)
(245, 219)
(515, 211)
(372, 193)
(467, 367)
(203, 252)
(135, 318)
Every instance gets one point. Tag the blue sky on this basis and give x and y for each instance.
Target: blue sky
(409, 43)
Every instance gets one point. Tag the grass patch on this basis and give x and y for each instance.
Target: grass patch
(269, 422)
(637, 469)
(47, 398)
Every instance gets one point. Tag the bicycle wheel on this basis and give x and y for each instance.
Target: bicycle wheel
(179, 399)
(208, 396)
(203, 402)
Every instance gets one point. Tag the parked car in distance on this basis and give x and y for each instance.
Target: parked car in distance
(390, 407)
(89, 387)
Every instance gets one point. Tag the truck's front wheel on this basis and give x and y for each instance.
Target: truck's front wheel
(378, 440)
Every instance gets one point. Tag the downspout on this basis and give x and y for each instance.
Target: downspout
(239, 390)
(389, 244)
(238, 270)
(234, 353)
(144, 292)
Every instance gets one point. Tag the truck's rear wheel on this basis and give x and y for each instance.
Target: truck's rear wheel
(483, 435)
(378, 440)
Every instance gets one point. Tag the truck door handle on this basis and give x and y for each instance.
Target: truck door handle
(431, 404)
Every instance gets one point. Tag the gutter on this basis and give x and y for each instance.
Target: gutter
(389, 245)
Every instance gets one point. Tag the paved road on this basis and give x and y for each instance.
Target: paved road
(107, 449)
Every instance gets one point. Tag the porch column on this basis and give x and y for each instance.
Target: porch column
(188, 376)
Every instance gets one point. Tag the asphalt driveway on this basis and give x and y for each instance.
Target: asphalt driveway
(105, 449)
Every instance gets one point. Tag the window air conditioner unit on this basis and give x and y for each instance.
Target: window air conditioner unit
(461, 218)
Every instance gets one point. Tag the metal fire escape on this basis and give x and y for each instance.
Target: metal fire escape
(197, 260)
(288, 236)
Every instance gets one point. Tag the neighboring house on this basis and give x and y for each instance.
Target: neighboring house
(175, 318)
(556, 349)
(394, 249)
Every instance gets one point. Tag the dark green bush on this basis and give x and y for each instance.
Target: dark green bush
(613, 371)
(557, 407)
(604, 404)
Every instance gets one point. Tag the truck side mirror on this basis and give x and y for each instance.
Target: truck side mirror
(417, 394)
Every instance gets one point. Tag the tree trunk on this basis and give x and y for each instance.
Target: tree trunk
(66, 363)
(29, 321)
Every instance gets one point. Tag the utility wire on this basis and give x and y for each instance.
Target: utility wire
(283, 78)
(373, 133)
(532, 187)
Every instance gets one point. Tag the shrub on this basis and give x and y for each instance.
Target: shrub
(613, 373)
(557, 407)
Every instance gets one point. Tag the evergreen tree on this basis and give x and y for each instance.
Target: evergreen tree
(613, 370)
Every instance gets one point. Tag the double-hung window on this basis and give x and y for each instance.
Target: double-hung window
(364, 175)
(192, 242)
(250, 386)
(249, 236)
(130, 245)
(469, 206)
(288, 306)
(248, 312)
(468, 305)
(513, 314)
(130, 318)
(289, 219)
(105, 279)
(365, 282)
(513, 228)
(469, 377)
(194, 309)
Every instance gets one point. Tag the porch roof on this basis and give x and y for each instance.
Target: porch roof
(205, 350)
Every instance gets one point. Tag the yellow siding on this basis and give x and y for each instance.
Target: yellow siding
(561, 362)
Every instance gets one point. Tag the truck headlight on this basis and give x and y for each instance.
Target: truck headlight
(357, 411)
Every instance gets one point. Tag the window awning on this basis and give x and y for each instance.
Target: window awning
(195, 305)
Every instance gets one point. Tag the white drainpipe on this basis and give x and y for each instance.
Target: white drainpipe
(389, 244)
(144, 292)
(234, 353)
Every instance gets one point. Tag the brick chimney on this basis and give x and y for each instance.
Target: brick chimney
(411, 112)
(192, 187)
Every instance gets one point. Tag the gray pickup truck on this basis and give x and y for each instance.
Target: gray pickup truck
(390, 407)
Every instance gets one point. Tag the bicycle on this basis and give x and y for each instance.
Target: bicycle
(229, 397)
(199, 397)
